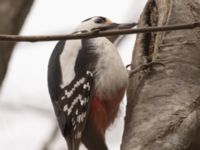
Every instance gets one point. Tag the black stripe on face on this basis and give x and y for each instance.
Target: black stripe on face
(100, 20)
(87, 19)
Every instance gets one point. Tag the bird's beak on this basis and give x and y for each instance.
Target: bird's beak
(111, 25)
(120, 26)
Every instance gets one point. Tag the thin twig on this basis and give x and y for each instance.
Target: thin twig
(92, 34)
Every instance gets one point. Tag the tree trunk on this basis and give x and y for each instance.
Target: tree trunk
(12, 14)
(163, 102)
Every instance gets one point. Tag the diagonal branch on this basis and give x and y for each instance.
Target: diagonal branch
(93, 34)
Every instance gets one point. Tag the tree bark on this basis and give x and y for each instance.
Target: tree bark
(163, 102)
(12, 14)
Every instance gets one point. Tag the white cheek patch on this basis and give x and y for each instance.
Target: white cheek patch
(67, 61)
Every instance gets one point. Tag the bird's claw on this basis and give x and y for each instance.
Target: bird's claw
(144, 67)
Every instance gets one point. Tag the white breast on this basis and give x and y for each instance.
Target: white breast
(68, 59)
(111, 74)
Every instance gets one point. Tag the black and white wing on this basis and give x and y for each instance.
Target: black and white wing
(75, 103)
(71, 102)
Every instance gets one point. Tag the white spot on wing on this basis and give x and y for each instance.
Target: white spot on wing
(81, 117)
(63, 97)
(65, 107)
(80, 99)
(89, 73)
(68, 110)
(76, 111)
(86, 86)
(74, 127)
(78, 135)
(76, 85)
(83, 101)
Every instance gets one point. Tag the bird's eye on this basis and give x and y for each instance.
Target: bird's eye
(100, 20)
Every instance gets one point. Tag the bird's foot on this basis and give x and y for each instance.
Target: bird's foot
(144, 67)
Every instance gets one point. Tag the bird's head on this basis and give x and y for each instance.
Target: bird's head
(101, 23)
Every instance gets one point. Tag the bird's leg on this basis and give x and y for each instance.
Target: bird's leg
(143, 67)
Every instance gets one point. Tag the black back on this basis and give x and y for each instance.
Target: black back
(54, 72)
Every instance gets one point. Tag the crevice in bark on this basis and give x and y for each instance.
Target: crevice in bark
(144, 55)
(146, 42)
(150, 16)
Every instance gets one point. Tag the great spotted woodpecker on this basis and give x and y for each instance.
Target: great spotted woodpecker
(87, 81)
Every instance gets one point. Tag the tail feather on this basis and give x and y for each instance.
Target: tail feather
(72, 143)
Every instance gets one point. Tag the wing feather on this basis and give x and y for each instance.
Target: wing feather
(75, 104)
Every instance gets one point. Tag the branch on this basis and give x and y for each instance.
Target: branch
(143, 67)
(93, 34)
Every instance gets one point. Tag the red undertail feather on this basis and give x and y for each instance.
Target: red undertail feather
(104, 111)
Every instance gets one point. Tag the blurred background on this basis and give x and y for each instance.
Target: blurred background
(27, 119)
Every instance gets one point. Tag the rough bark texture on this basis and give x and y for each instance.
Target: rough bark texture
(163, 103)
(12, 14)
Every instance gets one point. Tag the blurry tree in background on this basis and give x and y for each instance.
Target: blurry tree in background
(163, 102)
(12, 14)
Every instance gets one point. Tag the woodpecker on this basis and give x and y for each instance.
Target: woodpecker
(86, 82)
